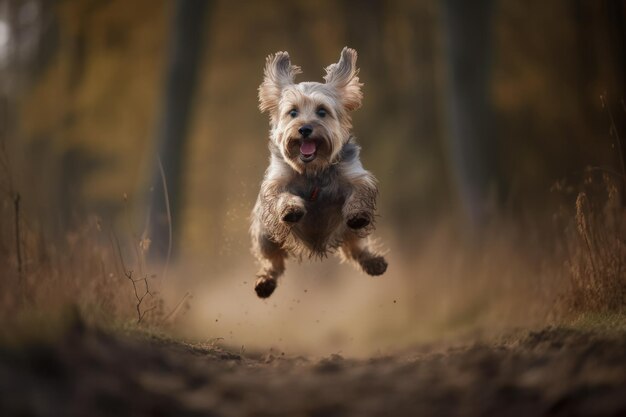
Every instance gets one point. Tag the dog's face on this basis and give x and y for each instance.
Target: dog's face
(310, 122)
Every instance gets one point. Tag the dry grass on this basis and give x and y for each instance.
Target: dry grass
(594, 239)
(89, 269)
(106, 278)
(596, 251)
(108, 281)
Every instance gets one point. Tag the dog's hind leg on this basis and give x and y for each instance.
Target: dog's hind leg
(272, 259)
(361, 251)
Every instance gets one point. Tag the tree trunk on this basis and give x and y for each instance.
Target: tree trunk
(185, 51)
(467, 41)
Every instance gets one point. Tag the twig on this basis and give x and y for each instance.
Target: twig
(129, 275)
(135, 238)
(172, 314)
(583, 229)
(139, 298)
(169, 217)
(613, 128)
(117, 268)
(18, 246)
(119, 250)
(144, 313)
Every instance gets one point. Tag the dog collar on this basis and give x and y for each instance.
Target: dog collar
(314, 193)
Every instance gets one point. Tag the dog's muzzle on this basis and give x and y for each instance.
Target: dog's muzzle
(307, 149)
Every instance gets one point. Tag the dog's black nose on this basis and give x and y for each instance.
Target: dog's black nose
(306, 131)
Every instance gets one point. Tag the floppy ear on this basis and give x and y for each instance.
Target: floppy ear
(344, 77)
(279, 73)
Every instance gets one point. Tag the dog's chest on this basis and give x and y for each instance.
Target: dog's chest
(324, 197)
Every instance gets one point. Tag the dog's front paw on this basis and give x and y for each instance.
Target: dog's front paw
(376, 265)
(292, 211)
(264, 286)
(359, 220)
(292, 215)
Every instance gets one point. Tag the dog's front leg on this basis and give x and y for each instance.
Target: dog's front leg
(274, 214)
(279, 209)
(290, 208)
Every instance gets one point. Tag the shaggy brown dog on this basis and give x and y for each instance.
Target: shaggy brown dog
(316, 196)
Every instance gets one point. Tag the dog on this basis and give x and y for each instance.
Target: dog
(316, 197)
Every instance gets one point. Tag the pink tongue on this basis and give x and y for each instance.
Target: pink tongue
(307, 148)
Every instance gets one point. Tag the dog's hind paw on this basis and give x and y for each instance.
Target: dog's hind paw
(264, 286)
(374, 266)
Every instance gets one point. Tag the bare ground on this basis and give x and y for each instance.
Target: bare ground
(88, 372)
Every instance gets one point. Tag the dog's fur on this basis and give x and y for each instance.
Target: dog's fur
(308, 207)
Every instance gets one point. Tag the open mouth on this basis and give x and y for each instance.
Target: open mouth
(308, 149)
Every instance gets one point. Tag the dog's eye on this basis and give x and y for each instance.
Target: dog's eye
(293, 113)
(321, 112)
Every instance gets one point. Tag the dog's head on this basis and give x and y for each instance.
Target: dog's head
(310, 121)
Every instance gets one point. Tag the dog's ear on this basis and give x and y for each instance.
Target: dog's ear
(344, 77)
(279, 73)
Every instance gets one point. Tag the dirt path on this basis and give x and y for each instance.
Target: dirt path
(89, 373)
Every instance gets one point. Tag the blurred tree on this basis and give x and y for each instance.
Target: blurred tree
(185, 52)
(467, 36)
(601, 37)
(399, 123)
(85, 83)
(616, 13)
